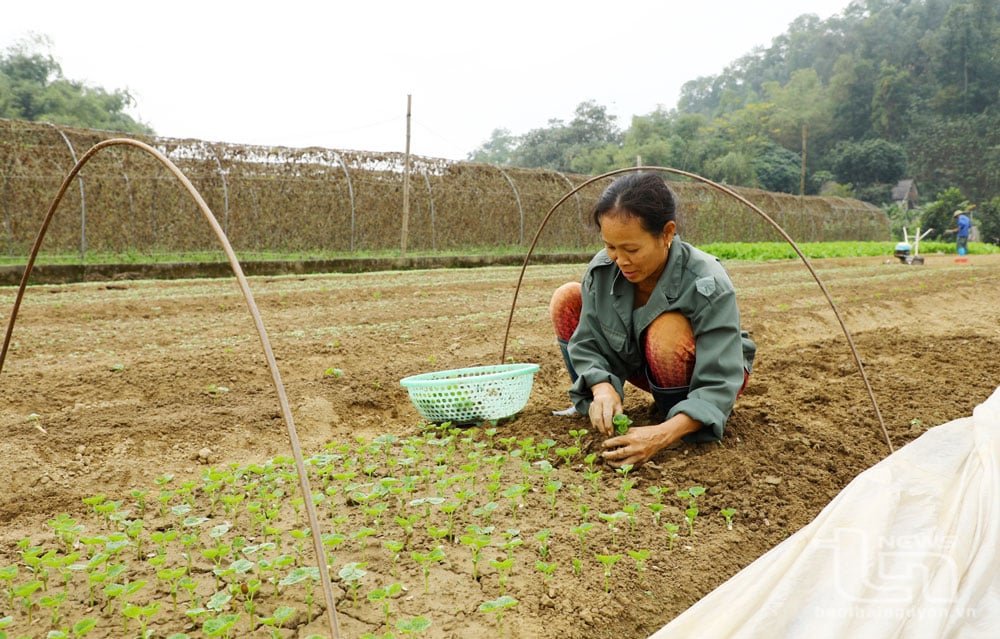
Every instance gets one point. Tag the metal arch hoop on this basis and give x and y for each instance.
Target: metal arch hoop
(331, 604)
(754, 208)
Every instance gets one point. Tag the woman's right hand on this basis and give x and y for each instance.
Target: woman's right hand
(605, 405)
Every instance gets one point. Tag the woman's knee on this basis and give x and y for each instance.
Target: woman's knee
(564, 309)
(670, 350)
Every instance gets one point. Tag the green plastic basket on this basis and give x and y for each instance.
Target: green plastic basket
(471, 395)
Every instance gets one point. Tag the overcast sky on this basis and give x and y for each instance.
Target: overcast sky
(337, 74)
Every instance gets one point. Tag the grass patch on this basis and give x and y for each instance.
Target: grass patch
(748, 251)
(759, 251)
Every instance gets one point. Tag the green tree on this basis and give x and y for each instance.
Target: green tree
(891, 101)
(870, 162)
(499, 149)
(556, 146)
(778, 169)
(733, 168)
(988, 221)
(33, 88)
(963, 56)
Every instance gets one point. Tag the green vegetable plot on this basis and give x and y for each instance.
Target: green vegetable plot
(230, 555)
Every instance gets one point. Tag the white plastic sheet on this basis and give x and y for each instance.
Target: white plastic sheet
(908, 549)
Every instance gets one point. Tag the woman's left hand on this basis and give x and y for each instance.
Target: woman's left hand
(641, 443)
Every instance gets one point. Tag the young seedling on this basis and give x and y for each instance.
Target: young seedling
(498, 606)
(142, 613)
(9, 574)
(486, 511)
(671, 533)
(395, 547)
(691, 494)
(657, 511)
(621, 423)
(630, 510)
(657, 493)
(578, 436)
(172, 578)
(581, 532)
(53, 602)
(640, 556)
(542, 536)
(593, 475)
(503, 567)
(515, 495)
(277, 620)
(691, 513)
(512, 541)
(385, 595)
(24, 594)
(352, 573)
(608, 561)
(728, 514)
(568, 454)
(546, 569)
(424, 561)
(613, 519)
(406, 523)
(552, 487)
(476, 542)
(220, 626)
(413, 626)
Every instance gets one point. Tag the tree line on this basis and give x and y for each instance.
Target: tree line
(886, 90)
(32, 87)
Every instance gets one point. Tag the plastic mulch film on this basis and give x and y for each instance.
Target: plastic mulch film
(908, 549)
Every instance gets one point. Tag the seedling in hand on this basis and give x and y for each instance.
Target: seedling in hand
(621, 423)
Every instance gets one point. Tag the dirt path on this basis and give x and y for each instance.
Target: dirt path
(132, 380)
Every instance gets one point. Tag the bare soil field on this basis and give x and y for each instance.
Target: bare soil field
(156, 395)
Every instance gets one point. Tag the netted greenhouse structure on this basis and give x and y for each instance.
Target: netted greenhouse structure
(318, 200)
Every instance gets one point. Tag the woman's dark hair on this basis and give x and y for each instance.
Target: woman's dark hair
(644, 195)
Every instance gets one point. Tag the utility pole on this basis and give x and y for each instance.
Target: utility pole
(406, 182)
(802, 179)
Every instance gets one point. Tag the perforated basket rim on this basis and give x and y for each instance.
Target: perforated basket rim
(472, 375)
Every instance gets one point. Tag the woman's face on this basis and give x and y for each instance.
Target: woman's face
(639, 254)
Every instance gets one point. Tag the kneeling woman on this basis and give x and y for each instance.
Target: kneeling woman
(657, 312)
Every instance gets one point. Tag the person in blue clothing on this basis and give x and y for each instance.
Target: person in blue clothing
(961, 232)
